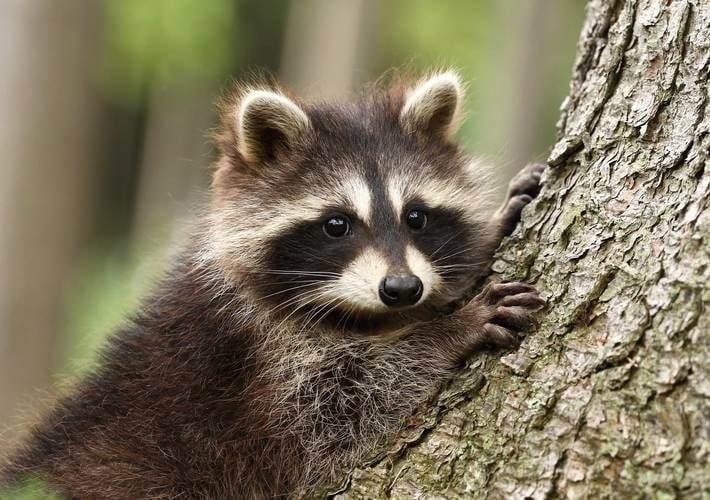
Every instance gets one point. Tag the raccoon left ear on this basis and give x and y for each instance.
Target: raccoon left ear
(267, 121)
(432, 107)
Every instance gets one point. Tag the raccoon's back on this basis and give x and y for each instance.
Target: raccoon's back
(164, 415)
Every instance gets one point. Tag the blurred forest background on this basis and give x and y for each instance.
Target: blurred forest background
(106, 107)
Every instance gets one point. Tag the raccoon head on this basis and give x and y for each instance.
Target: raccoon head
(363, 217)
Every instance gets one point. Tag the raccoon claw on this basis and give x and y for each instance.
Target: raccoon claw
(512, 308)
(522, 189)
(527, 181)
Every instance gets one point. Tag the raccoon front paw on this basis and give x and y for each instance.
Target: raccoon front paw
(522, 189)
(510, 310)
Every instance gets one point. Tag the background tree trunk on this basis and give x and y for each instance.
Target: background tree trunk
(48, 119)
(324, 46)
(611, 396)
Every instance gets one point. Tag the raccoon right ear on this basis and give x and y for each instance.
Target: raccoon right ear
(432, 107)
(267, 121)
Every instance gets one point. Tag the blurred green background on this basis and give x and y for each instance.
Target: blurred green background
(107, 106)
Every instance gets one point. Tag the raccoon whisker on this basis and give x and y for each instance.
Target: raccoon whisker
(326, 313)
(457, 266)
(316, 310)
(325, 310)
(343, 298)
(315, 294)
(297, 298)
(455, 251)
(331, 309)
(343, 320)
(349, 310)
(458, 251)
(294, 272)
(307, 283)
(303, 273)
(458, 233)
(451, 279)
(301, 249)
(313, 280)
(473, 262)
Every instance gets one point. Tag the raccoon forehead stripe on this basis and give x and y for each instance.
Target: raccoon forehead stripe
(357, 194)
(395, 191)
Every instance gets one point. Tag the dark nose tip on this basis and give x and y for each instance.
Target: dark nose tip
(400, 291)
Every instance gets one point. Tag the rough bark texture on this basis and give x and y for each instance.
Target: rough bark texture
(610, 397)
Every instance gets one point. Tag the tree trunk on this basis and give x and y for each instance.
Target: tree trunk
(610, 397)
(48, 117)
(324, 45)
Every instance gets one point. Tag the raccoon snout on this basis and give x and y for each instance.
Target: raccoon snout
(400, 291)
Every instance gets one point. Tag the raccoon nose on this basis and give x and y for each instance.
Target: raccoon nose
(400, 291)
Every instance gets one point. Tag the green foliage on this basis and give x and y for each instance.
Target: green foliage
(488, 42)
(30, 490)
(107, 289)
(434, 34)
(183, 43)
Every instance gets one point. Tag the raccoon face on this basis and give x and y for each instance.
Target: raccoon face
(365, 217)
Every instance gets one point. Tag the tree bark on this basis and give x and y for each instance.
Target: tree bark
(610, 397)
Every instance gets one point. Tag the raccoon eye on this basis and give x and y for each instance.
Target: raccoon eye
(416, 219)
(336, 227)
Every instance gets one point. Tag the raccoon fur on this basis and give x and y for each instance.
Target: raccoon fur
(304, 322)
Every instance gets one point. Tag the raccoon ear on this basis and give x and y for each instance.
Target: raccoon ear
(432, 107)
(267, 121)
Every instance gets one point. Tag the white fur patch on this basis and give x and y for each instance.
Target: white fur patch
(420, 266)
(440, 93)
(395, 192)
(360, 280)
(359, 197)
(264, 107)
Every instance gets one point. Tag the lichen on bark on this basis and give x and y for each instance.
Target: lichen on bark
(610, 396)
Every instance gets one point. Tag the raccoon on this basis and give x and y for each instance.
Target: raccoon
(311, 313)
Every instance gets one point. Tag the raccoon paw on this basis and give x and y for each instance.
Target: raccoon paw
(522, 189)
(511, 312)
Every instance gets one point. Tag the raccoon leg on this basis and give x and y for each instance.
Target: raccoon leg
(498, 316)
(522, 189)
(509, 309)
